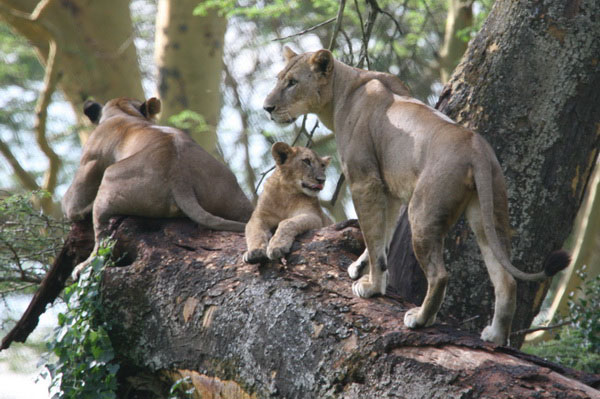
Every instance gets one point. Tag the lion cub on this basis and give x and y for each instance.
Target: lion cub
(289, 202)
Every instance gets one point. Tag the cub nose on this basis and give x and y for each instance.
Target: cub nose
(320, 180)
(269, 108)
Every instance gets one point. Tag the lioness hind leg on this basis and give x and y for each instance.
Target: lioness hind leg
(428, 222)
(505, 287)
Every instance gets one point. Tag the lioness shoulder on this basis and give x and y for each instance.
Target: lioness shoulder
(288, 203)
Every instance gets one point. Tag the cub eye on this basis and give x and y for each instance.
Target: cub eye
(292, 82)
(306, 161)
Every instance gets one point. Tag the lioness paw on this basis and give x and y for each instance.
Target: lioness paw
(489, 334)
(255, 256)
(412, 319)
(364, 288)
(355, 270)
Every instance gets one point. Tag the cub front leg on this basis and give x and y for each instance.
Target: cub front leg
(257, 239)
(288, 229)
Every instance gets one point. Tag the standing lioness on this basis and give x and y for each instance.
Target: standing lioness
(132, 166)
(394, 149)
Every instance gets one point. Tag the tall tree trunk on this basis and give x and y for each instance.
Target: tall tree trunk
(189, 57)
(529, 84)
(95, 42)
(460, 16)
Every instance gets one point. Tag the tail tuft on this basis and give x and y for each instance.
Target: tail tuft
(556, 261)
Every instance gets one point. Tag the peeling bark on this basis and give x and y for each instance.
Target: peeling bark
(528, 83)
(183, 303)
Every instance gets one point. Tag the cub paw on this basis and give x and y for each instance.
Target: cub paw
(364, 288)
(255, 256)
(412, 319)
(489, 334)
(275, 252)
(356, 268)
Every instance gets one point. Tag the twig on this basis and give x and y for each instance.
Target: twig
(330, 20)
(338, 188)
(338, 24)
(541, 328)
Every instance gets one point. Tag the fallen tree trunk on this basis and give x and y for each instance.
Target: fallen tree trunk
(183, 303)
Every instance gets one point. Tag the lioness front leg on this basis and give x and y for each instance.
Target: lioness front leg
(370, 202)
(257, 239)
(288, 229)
(355, 270)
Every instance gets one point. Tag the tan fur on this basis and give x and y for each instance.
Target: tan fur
(394, 149)
(131, 166)
(288, 203)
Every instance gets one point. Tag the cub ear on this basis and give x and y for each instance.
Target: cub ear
(281, 152)
(92, 110)
(150, 108)
(321, 62)
(288, 53)
(326, 159)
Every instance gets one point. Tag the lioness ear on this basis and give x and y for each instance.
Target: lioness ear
(321, 62)
(288, 53)
(326, 160)
(150, 107)
(281, 152)
(92, 110)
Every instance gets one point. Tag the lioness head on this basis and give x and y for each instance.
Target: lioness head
(301, 166)
(302, 87)
(98, 113)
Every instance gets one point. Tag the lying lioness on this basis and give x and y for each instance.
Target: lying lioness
(131, 166)
(394, 149)
(288, 203)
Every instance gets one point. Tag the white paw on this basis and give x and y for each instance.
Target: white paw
(364, 288)
(413, 319)
(77, 271)
(410, 318)
(489, 334)
(356, 268)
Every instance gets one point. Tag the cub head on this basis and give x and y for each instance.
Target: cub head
(122, 106)
(301, 166)
(303, 86)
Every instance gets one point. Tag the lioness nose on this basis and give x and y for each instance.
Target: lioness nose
(320, 180)
(269, 108)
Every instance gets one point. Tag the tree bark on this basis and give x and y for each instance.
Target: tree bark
(95, 39)
(189, 57)
(183, 303)
(460, 16)
(528, 83)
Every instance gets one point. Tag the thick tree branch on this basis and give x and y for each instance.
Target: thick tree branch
(26, 179)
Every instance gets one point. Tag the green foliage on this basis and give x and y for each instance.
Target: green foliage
(29, 241)
(577, 345)
(85, 367)
(190, 121)
(178, 389)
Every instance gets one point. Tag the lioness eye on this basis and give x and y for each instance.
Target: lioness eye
(292, 82)
(306, 161)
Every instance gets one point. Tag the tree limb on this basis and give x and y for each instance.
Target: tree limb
(338, 24)
(330, 20)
